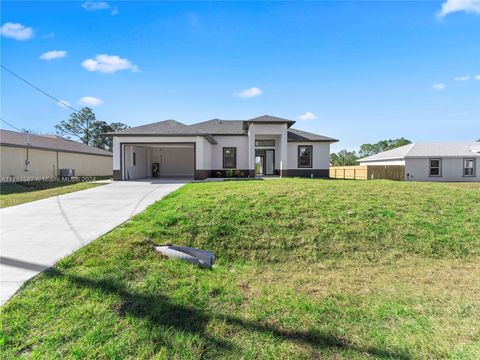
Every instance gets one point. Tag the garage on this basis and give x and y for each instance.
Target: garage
(158, 160)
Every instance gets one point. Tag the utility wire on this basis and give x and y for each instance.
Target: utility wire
(6, 122)
(38, 89)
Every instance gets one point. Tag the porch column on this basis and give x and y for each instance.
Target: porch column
(283, 155)
(251, 151)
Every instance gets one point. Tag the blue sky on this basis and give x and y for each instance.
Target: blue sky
(357, 71)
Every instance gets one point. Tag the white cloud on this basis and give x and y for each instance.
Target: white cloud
(307, 116)
(439, 86)
(451, 6)
(462, 78)
(108, 64)
(249, 93)
(477, 77)
(90, 101)
(54, 54)
(100, 5)
(63, 103)
(16, 31)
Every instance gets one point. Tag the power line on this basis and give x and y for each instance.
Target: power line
(6, 122)
(38, 89)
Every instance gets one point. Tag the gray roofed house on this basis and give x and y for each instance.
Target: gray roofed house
(264, 145)
(433, 161)
(42, 156)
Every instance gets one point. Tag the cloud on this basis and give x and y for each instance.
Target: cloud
(462, 78)
(477, 77)
(108, 64)
(90, 101)
(100, 5)
(16, 31)
(439, 86)
(307, 116)
(451, 6)
(249, 93)
(63, 104)
(54, 54)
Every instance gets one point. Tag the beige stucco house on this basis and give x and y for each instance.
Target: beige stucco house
(262, 146)
(28, 156)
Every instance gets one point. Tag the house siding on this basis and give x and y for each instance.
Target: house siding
(452, 169)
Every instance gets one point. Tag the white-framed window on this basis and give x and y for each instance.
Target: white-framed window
(468, 167)
(435, 167)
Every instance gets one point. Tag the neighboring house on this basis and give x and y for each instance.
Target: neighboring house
(451, 161)
(265, 145)
(41, 156)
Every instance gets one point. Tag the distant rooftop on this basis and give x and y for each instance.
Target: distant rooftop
(429, 149)
(47, 142)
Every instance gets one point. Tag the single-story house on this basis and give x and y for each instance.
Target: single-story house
(265, 145)
(29, 156)
(439, 161)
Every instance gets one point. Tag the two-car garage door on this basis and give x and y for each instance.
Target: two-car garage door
(175, 160)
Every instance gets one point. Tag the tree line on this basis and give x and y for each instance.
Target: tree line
(347, 158)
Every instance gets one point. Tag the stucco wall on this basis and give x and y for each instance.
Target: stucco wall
(452, 170)
(320, 156)
(44, 163)
(240, 142)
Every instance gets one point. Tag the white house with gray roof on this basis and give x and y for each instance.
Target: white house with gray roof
(262, 146)
(436, 161)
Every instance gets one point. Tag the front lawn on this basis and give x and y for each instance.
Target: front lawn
(306, 269)
(16, 194)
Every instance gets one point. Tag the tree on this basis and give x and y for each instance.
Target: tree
(85, 127)
(344, 158)
(382, 145)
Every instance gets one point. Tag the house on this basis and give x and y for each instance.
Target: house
(265, 145)
(28, 156)
(449, 161)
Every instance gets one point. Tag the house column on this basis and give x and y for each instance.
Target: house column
(251, 150)
(283, 154)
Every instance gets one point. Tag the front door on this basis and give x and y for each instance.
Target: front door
(259, 161)
(265, 162)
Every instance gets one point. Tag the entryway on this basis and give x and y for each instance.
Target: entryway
(265, 162)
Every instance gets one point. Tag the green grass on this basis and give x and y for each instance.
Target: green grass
(306, 269)
(16, 194)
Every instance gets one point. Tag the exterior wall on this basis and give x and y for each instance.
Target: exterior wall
(141, 169)
(174, 161)
(44, 163)
(383, 162)
(277, 131)
(320, 156)
(240, 142)
(452, 169)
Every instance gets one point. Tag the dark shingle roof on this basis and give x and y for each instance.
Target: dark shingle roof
(48, 142)
(271, 119)
(222, 127)
(167, 127)
(295, 135)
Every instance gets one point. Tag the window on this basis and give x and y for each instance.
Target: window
(134, 159)
(305, 156)
(435, 167)
(264, 142)
(229, 158)
(468, 167)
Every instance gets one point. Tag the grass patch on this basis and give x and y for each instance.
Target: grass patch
(20, 193)
(306, 269)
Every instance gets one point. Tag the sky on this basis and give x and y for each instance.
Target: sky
(357, 71)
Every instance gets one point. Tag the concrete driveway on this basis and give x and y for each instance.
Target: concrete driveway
(34, 236)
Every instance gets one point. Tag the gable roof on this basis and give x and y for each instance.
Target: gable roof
(166, 127)
(428, 149)
(222, 127)
(295, 135)
(48, 142)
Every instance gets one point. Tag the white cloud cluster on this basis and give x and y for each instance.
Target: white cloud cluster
(477, 77)
(90, 101)
(249, 93)
(462, 78)
(439, 86)
(451, 6)
(16, 31)
(109, 64)
(308, 116)
(100, 5)
(54, 54)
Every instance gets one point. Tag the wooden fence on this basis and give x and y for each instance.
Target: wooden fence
(368, 172)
